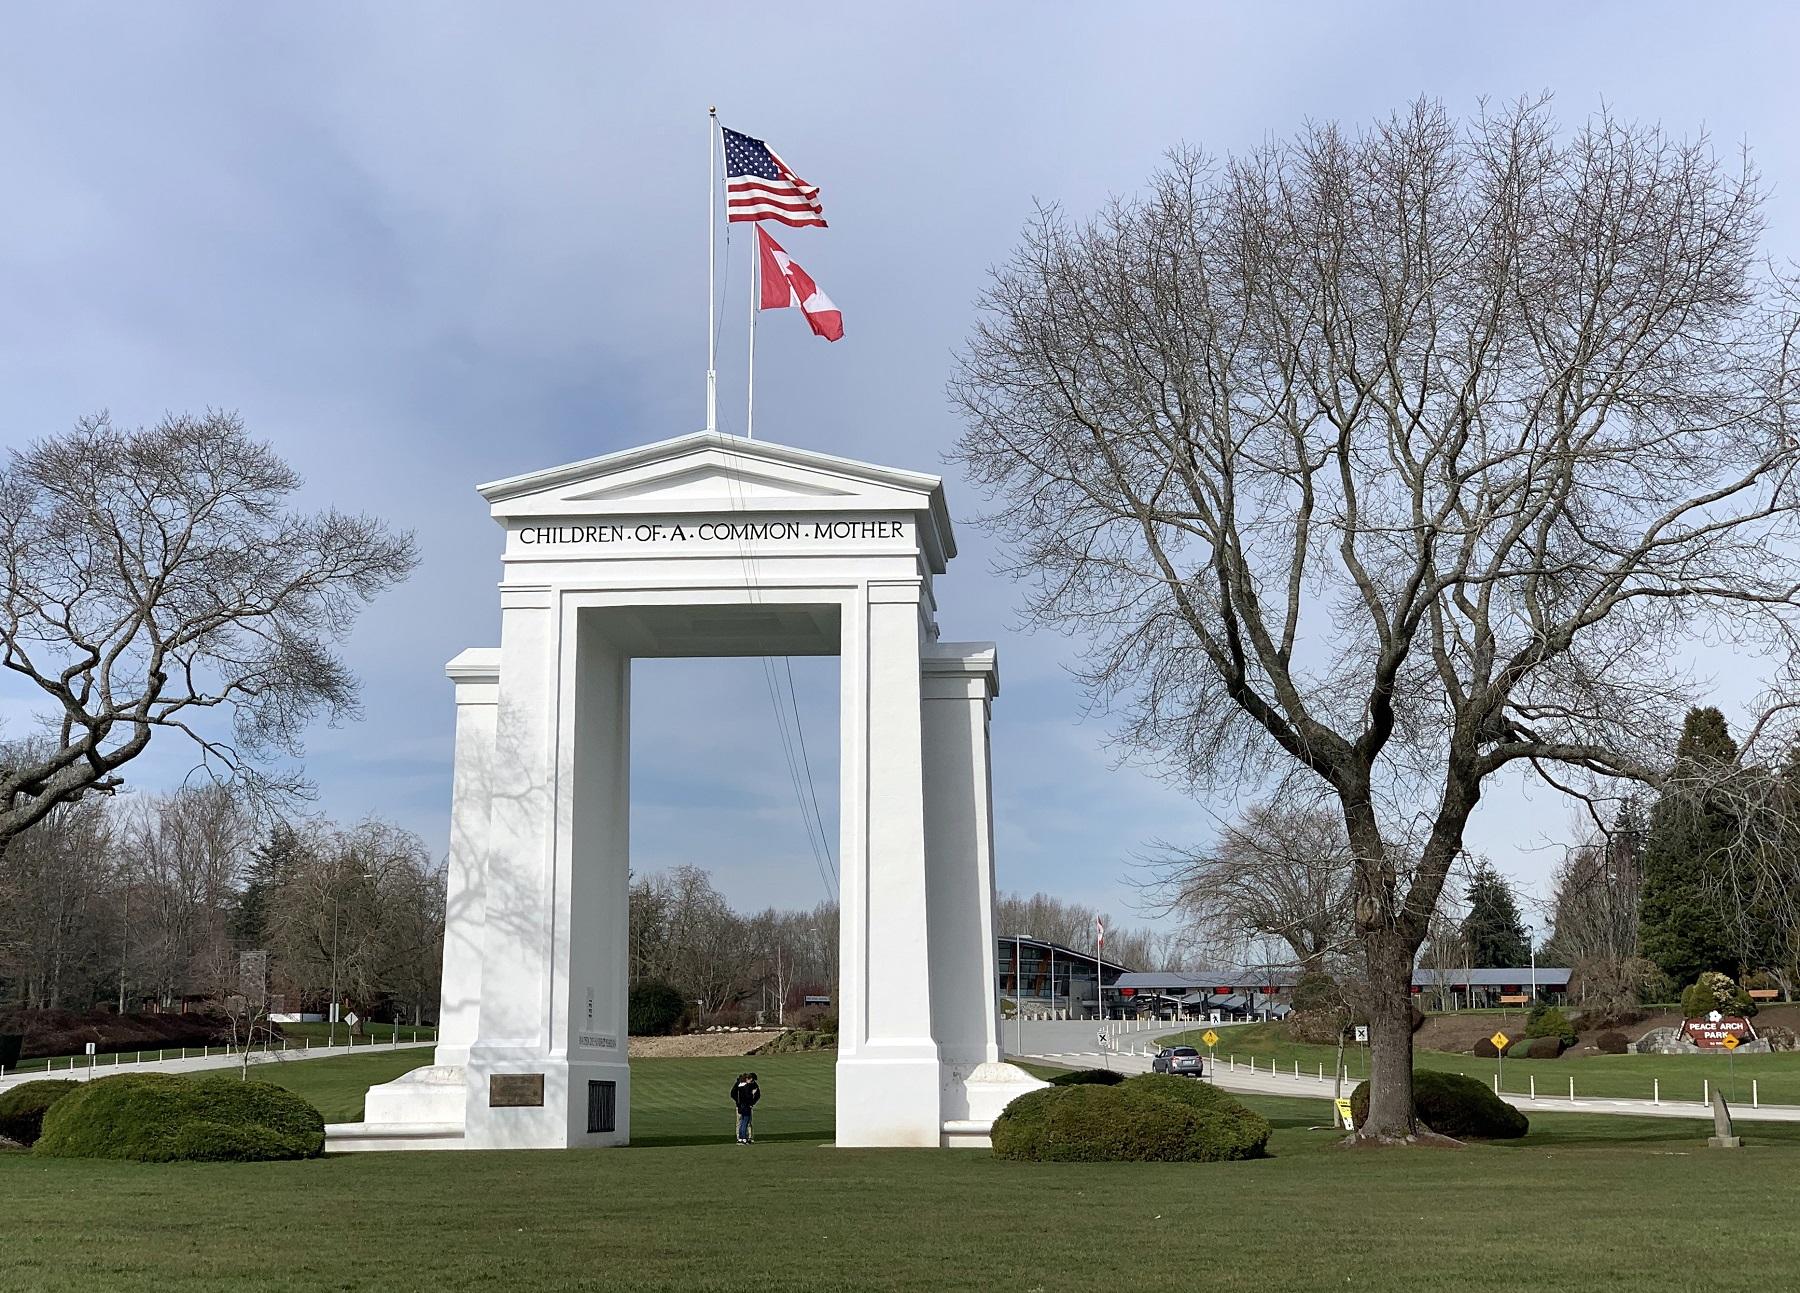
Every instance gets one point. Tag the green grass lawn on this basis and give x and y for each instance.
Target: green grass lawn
(1583, 1203)
(1682, 1076)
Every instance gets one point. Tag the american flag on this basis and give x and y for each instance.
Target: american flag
(759, 185)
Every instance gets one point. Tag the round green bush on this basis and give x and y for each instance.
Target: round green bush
(1551, 1022)
(161, 1118)
(22, 1108)
(1453, 1105)
(1536, 1048)
(1153, 1118)
(654, 1008)
(1612, 1042)
(1088, 1077)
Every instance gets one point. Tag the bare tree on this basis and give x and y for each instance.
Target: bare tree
(1397, 460)
(155, 575)
(1280, 872)
(358, 913)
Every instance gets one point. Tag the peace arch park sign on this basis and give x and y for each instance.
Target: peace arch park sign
(708, 545)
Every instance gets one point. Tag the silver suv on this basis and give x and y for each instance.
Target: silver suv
(1183, 1061)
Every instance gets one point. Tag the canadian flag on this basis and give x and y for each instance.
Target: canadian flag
(785, 284)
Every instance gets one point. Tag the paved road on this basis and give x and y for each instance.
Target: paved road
(107, 1065)
(1309, 1085)
(1081, 1036)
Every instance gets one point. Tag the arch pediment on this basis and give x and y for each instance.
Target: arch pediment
(708, 472)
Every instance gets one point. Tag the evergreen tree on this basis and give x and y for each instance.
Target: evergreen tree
(1493, 930)
(269, 865)
(1683, 926)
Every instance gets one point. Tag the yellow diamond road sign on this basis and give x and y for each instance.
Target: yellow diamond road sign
(1729, 1041)
(1210, 1037)
(1499, 1040)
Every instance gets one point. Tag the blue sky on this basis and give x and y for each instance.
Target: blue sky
(421, 246)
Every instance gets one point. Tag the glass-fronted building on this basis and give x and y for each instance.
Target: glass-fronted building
(1049, 977)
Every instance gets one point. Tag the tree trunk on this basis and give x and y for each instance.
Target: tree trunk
(1390, 1116)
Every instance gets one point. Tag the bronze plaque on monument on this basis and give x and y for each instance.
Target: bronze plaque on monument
(515, 1090)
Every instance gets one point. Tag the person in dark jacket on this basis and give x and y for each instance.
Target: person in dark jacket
(744, 1095)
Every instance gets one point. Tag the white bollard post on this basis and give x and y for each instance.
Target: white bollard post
(1571, 1090)
(1705, 1090)
(1753, 1103)
(1655, 1090)
(1496, 1084)
(1532, 1078)
(1321, 1070)
(1296, 1070)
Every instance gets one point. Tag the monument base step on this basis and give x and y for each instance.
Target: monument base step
(967, 1133)
(377, 1137)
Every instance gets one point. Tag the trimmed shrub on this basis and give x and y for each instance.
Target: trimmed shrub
(1715, 991)
(1153, 1118)
(655, 1007)
(1453, 1105)
(1612, 1042)
(1088, 1077)
(1484, 1048)
(1551, 1022)
(1233, 1131)
(22, 1108)
(1535, 1048)
(161, 1118)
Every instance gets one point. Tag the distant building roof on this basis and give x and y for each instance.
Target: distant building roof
(1208, 980)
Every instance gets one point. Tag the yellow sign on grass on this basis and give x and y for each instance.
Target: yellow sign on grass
(1210, 1038)
(1344, 1115)
(1500, 1040)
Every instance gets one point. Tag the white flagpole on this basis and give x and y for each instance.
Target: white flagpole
(712, 244)
(755, 282)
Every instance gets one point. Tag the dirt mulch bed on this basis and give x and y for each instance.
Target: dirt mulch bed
(66, 1032)
(700, 1045)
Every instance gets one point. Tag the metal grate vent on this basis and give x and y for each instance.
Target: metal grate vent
(602, 1105)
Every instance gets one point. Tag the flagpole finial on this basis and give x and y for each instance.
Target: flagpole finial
(712, 110)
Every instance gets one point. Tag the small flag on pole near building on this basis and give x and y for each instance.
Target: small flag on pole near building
(759, 185)
(785, 284)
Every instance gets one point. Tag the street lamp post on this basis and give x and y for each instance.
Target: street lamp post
(336, 899)
(331, 1011)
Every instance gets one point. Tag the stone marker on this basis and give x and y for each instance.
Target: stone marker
(1722, 1137)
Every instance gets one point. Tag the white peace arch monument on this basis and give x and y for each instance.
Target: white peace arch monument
(708, 545)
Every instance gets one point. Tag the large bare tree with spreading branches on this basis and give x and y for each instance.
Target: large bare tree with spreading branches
(156, 580)
(1279, 873)
(1399, 459)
